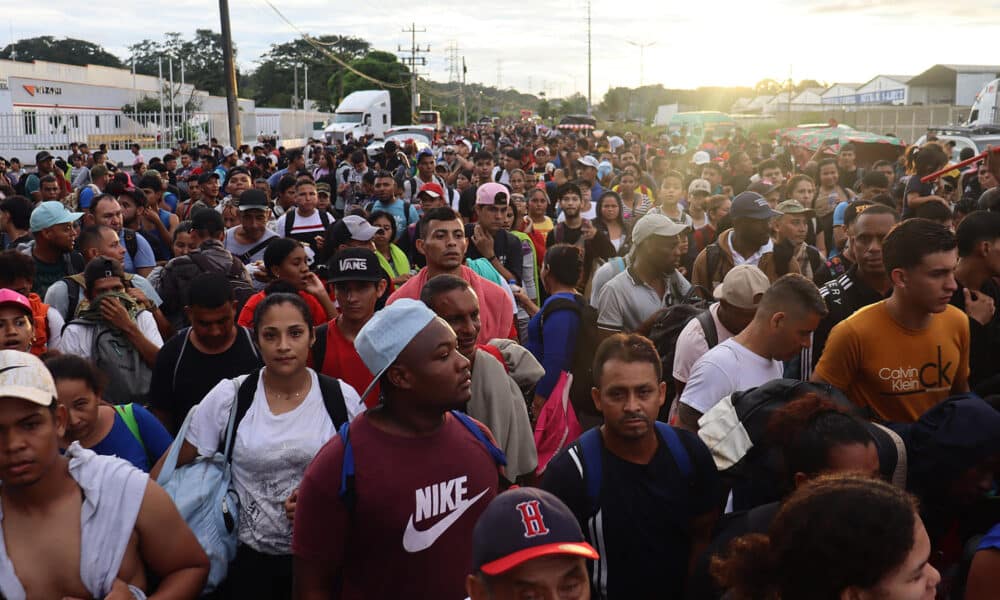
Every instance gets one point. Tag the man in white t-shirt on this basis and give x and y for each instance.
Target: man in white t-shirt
(738, 296)
(304, 222)
(787, 315)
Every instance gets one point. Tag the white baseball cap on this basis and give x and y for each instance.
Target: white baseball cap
(24, 376)
(701, 157)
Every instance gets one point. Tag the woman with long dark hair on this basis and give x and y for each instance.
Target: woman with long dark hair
(285, 425)
(610, 220)
(836, 537)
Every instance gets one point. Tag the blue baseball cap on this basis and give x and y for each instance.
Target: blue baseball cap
(48, 214)
(525, 523)
(388, 333)
(751, 205)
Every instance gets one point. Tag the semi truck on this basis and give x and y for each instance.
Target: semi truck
(361, 113)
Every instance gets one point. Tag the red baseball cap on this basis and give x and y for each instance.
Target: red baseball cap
(432, 189)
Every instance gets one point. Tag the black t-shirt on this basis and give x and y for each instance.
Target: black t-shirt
(506, 247)
(597, 248)
(984, 342)
(175, 388)
(848, 179)
(843, 296)
(643, 527)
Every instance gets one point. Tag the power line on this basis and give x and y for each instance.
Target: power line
(315, 44)
(453, 63)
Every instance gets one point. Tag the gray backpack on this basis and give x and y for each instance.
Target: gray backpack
(128, 374)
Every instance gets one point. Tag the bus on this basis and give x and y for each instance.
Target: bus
(431, 118)
(702, 126)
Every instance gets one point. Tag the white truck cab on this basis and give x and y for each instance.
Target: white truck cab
(361, 113)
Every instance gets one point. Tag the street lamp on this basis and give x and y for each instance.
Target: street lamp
(642, 57)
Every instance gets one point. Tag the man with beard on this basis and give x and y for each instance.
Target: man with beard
(574, 229)
(748, 242)
(643, 492)
(496, 401)
(650, 282)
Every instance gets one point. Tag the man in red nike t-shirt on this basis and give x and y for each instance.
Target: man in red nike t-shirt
(421, 477)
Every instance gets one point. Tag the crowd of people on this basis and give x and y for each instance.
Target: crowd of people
(516, 363)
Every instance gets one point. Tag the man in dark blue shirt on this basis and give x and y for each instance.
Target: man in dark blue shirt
(643, 492)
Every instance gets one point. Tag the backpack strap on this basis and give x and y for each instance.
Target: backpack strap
(244, 398)
(324, 219)
(73, 289)
(186, 332)
(589, 464)
(708, 326)
(676, 447)
(333, 399)
(319, 348)
(475, 430)
(247, 257)
(131, 243)
(289, 222)
(348, 494)
(406, 213)
(127, 413)
(713, 254)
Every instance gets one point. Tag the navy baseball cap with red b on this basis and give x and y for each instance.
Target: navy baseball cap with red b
(522, 524)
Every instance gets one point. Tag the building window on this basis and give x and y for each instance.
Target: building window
(118, 121)
(30, 122)
(74, 121)
(97, 121)
(55, 121)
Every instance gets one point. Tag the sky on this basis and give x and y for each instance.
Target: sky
(541, 46)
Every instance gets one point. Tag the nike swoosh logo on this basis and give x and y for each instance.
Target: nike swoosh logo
(415, 540)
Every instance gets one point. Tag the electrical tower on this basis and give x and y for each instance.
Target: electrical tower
(413, 61)
(454, 68)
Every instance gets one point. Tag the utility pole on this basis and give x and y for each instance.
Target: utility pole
(413, 60)
(642, 58)
(184, 109)
(453, 75)
(305, 93)
(590, 103)
(229, 64)
(465, 107)
(159, 84)
(173, 110)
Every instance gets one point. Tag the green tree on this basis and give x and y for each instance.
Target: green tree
(385, 67)
(68, 51)
(573, 105)
(273, 82)
(202, 56)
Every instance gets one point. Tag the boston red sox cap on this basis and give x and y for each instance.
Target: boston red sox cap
(522, 524)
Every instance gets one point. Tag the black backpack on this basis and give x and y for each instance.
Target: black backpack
(755, 475)
(582, 367)
(668, 323)
(19, 187)
(131, 243)
(329, 387)
(242, 289)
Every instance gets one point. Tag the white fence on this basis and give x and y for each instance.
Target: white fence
(30, 131)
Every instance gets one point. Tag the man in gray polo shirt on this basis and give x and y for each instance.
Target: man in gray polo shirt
(650, 282)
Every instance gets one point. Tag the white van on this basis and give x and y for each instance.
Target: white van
(365, 112)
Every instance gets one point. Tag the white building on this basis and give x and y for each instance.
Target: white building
(840, 93)
(956, 85)
(884, 89)
(49, 105)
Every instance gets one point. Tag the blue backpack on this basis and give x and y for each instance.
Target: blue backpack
(348, 493)
(586, 453)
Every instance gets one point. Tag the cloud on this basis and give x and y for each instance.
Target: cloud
(542, 44)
